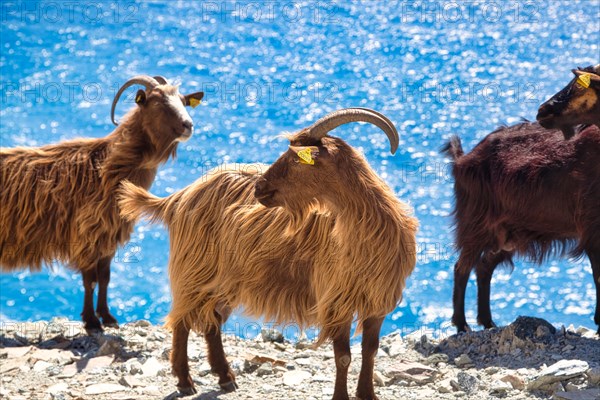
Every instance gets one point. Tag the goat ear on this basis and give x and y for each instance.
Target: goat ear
(595, 80)
(140, 97)
(193, 99)
(587, 79)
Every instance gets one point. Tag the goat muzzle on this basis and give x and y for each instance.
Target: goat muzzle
(264, 193)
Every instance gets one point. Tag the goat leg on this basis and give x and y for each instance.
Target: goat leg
(594, 256)
(216, 357)
(179, 360)
(341, 350)
(484, 271)
(370, 345)
(461, 278)
(91, 323)
(103, 273)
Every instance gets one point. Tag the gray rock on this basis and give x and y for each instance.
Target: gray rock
(133, 366)
(264, 370)
(109, 344)
(142, 323)
(593, 375)
(526, 327)
(271, 335)
(436, 359)
(412, 372)
(463, 361)
(586, 394)
(467, 383)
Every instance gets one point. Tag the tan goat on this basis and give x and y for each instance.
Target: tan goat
(58, 201)
(326, 243)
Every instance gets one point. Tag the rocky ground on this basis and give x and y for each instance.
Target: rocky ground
(529, 359)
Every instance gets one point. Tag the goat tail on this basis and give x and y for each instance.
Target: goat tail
(135, 201)
(453, 148)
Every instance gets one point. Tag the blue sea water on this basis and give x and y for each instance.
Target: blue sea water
(435, 68)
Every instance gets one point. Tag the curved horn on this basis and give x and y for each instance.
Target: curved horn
(355, 114)
(147, 81)
(161, 79)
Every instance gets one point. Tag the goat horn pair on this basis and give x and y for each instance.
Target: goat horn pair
(147, 81)
(355, 114)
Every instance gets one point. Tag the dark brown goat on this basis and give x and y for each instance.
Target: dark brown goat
(577, 103)
(526, 191)
(58, 201)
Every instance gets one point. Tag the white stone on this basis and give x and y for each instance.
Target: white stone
(560, 371)
(41, 366)
(15, 352)
(151, 367)
(500, 386)
(296, 377)
(58, 388)
(130, 381)
(61, 357)
(102, 388)
(379, 379)
(445, 386)
(306, 362)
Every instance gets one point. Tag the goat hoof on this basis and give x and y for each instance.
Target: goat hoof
(114, 324)
(490, 325)
(230, 386)
(108, 321)
(93, 327)
(186, 391)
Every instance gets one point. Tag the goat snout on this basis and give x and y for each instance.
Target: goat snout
(545, 114)
(263, 192)
(188, 129)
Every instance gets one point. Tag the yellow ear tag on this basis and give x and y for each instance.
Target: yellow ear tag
(306, 156)
(138, 98)
(194, 102)
(584, 80)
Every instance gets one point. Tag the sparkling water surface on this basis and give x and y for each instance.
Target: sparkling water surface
(435, 68)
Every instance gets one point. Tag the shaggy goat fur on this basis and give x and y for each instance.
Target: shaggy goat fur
(524, 190)
(324, 257)
(58, 200)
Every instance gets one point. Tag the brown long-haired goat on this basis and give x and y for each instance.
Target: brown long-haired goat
(326, 241)
(577, 103)
(523, 190)
(58, 201)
